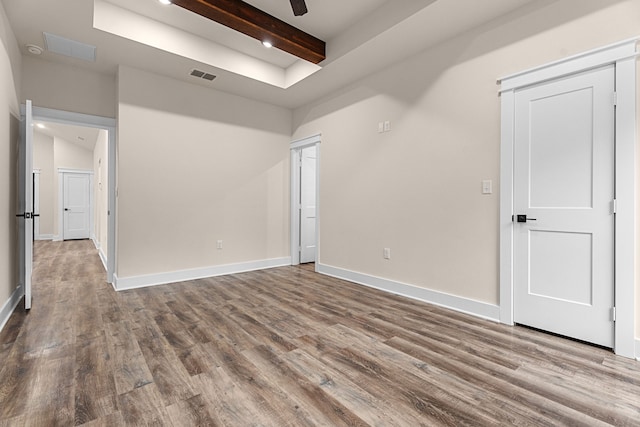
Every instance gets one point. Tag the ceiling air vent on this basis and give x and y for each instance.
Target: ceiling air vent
(68, 47)
(202, 75)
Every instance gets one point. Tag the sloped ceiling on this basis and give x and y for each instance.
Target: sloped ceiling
(362, 36)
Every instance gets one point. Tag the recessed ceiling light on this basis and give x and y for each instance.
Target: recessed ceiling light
(40, 125)
(165, 1)
(267, 44)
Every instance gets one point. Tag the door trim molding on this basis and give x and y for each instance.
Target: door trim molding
(623, 55)
(295, 148)
(36, 205)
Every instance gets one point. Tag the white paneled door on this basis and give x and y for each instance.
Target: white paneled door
(77, 206)
(25, 181)
(564, 205)
(308, 204)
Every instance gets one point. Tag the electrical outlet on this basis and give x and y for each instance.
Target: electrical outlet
(387, 126)
(386, 253)
(380, 127)
(219, 244)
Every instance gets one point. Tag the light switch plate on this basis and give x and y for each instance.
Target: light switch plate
(487, 186)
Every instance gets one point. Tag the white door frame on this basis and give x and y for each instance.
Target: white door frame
(36, 205)
(98, 122)
(61, 202)
(623, 55)
(296, 147)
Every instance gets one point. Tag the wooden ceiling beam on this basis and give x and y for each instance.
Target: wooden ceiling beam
(255, 23)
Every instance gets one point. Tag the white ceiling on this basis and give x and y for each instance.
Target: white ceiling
(82, 136)
(362, 36)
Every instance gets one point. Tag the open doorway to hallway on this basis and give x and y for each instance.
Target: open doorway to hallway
(102, 168)
(71, 183)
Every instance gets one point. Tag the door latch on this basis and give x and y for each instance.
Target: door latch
(523, 218)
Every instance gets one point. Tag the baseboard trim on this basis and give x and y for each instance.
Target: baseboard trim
(103, 258)
(638, 350)
(10, 306)
(134, 282)
(57, 238)
(464, 305)
(44, 237)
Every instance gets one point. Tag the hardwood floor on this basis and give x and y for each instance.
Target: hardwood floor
(285, 347)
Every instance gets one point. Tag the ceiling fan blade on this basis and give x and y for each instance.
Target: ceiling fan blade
(299, 7)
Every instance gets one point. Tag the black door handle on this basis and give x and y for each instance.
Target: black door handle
(66, 209)
(523, 218)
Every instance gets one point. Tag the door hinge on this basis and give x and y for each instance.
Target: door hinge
(614, 206)
(615, 98)
(613, 314)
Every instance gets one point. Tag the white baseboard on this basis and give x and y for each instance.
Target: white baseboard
(133, 282)
(638, 350)
(44, 237)
(464, 305)
(10, 305)
(57, 238)
(103, 258)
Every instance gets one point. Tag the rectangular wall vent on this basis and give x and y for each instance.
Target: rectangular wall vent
(68, 47)
(202, 75)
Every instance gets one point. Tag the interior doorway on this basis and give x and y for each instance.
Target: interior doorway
(564, 192)
(620, 60)
(304, 200)
(83, 129)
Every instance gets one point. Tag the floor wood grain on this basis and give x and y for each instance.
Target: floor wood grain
(285, 347)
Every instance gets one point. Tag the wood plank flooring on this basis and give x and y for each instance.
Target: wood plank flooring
(285, 347)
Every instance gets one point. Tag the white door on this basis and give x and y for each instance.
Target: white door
(308, 204)
(77, 206)
(25, 204)
(564, 184)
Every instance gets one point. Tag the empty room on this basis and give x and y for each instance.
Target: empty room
(319, 212)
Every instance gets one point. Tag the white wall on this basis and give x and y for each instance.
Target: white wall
(10, 72)
(68, 88)
(417, 189)
(196, 166)
(43, 160)
(101, 191)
